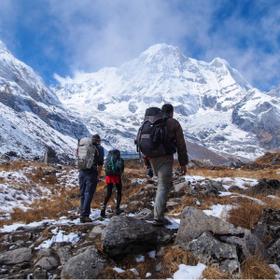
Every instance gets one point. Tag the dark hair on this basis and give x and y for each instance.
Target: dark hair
(167, 109)
(96, 138)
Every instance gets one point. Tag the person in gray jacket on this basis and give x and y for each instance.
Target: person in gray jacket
(163, 165)
(88, 180)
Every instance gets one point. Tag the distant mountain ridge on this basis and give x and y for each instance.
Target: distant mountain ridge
(215, 104)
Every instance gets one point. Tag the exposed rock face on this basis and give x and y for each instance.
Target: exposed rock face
(194, 222)
(86, 265)
(259, 113)
(31, 114)
(16, 256)
(212, 251)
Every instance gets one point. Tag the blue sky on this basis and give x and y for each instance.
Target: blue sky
(65, 36)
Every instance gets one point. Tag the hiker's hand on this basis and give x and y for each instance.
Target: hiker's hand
(183, 170)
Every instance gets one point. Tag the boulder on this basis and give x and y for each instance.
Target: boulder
(16, 256)
(206, 188)
(268, 227)
(268, 230)
(125, 235)
(86, 265)
(50, 156)
(96, 231)
(266, 186)
(64, 253)
(47, 263)
(246, 245)
(194, 222)
(39, 273)
(211, 251)
(273, 252)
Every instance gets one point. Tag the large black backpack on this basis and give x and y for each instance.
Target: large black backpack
(114, 164)
(151, 139)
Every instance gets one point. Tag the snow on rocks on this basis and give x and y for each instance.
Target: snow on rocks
(218, 210)
(59, 237)
(189, 271)
(118, 269)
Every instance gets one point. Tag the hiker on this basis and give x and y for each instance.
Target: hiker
(114, 168)
(90, 161)
(159, 137)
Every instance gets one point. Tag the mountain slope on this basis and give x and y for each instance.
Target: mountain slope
(205, 96)
(32, 117)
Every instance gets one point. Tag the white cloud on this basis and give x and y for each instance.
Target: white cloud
(98, 33)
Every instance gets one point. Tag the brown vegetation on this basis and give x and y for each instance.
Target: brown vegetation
(55, 207)
(237, 172)
(246, 215)
(213, 272)
(256, 268)
(174, 256)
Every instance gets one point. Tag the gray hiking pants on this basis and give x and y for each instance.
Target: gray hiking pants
(162, 167)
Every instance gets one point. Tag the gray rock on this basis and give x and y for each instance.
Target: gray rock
(16, 256)
(47, 263)
(247, 245)
(64, 253)
(194, 222)
(125, 235)
(268, 227)
(205, 188)
(40, 273)
(96, 231)
(273, 252)
(212, 251)
(87, 265)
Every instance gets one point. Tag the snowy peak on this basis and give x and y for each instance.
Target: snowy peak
(3, 48)
(31, 115)
(161, 53)
(204, 94)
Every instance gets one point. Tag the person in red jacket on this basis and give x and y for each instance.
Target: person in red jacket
(114, 167)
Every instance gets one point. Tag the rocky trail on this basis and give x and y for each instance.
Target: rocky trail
(222, 225)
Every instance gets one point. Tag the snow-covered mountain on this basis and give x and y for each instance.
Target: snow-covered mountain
(32, 117)
(214, 103)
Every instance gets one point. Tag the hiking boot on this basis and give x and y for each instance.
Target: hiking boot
(103, 213)
(85, 219)
(118, 211)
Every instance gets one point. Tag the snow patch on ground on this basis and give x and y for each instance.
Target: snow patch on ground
(218, 210)
(118, 269)
(189, 271)
(242, 183)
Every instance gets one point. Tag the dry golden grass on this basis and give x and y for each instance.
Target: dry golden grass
(213, 272)
(109, 273)
(246, 215)
(47, 208)
(225, 172)
(173, 256)
(256, 268)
